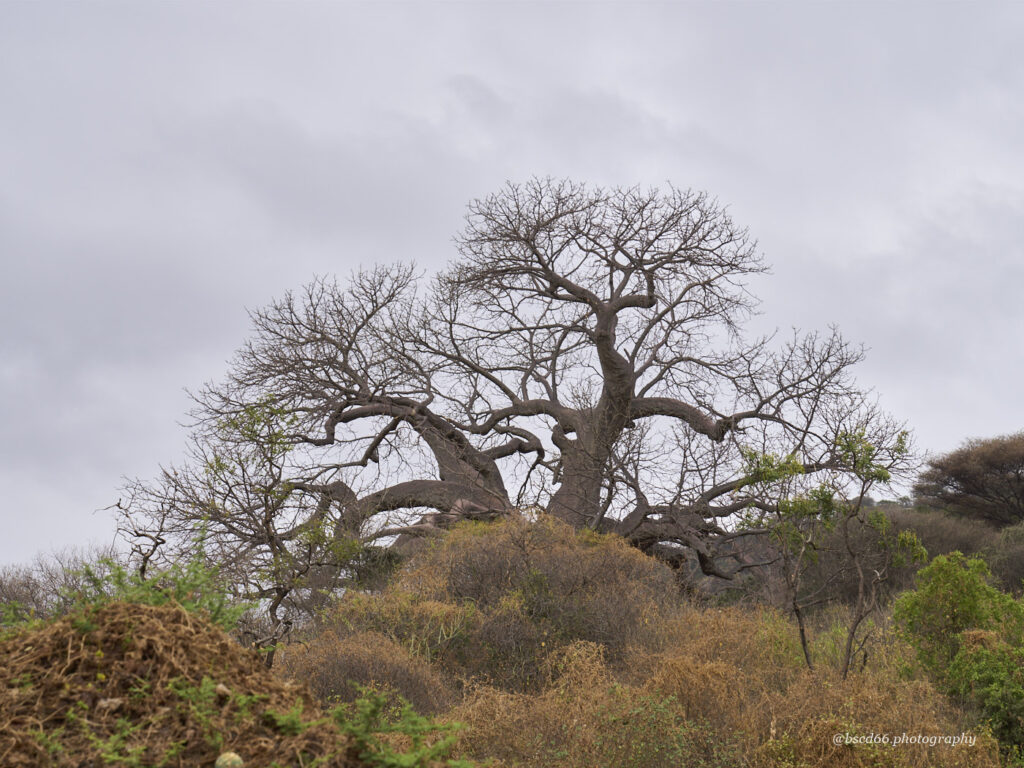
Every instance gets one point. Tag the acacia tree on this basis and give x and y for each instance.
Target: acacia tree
(982, 479)
(583, 354)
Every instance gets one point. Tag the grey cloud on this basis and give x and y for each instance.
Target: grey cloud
(167, 166)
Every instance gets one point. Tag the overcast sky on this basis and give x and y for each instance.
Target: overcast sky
(165, 166)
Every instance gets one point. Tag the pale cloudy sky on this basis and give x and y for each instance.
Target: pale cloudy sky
(164, 166)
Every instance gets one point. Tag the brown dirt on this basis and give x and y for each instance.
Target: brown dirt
(136, 685)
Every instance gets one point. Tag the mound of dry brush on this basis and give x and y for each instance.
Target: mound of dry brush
(141, 685)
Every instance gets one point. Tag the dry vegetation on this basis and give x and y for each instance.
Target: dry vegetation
(563, 648)
(141, 685)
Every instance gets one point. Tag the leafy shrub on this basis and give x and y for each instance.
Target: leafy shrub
(954, 594)
(46, 587)
(194, 585)
(989, 672)
(409, 741)
(970, 637)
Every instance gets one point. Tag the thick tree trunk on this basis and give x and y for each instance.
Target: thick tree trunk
(578, 498)
(585, 459)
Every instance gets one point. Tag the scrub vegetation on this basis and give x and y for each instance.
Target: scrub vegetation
(551, 508)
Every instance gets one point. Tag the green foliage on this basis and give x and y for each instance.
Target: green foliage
(970, 636)
(15, 616)
(766, 468)
(365, 721)
(200, 701)
(115, 749)
(194, 585)
(989, 673)
(802, 519)
(261, 423)
(51, 740)
(289, 722)
(865, 460)
(954, 594)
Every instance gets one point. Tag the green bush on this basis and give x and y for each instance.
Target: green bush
(194, 585)
(423, 743)
(988, 673)
(970, 637)
(954, 594)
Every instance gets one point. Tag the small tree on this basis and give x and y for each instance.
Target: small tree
(832, 522)
(983, 479)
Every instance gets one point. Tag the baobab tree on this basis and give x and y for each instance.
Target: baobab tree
(583, 354)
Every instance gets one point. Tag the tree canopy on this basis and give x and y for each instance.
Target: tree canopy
(982, 479)
(583, 354)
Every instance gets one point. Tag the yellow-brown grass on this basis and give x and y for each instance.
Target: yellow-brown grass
(584, 718)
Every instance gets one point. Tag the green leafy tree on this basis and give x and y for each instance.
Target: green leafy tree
(833, 522)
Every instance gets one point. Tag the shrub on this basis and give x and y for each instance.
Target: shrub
(48, 586)
(989, 673)
(581, 585)
(338, 668)
(804, 719)
(757, 640)
(491, 600)
(942, 533)
(431, 629)
(1006, 558)
(954, 594)
(406, 741)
